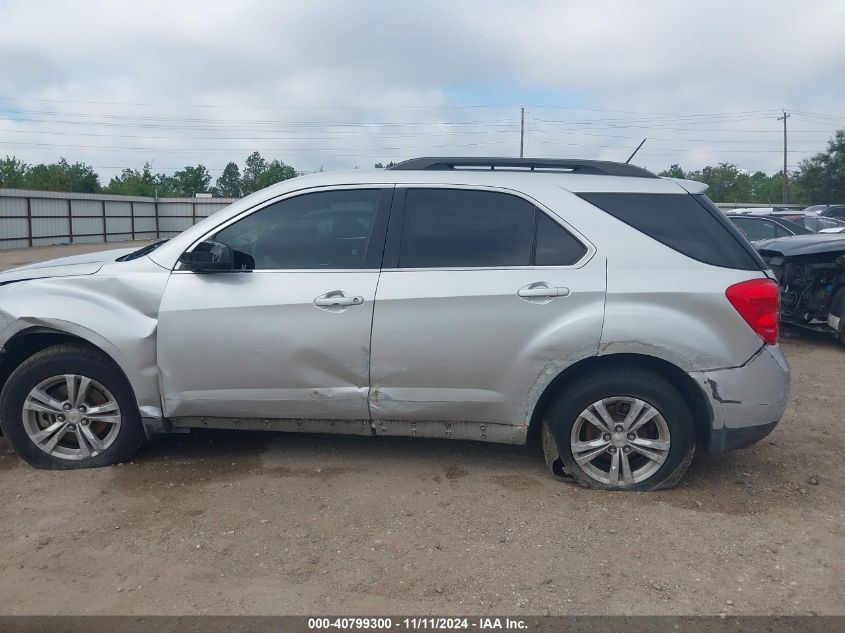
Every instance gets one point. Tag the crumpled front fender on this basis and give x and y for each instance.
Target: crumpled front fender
(115, 310)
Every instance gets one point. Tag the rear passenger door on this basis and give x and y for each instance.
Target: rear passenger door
(483, 297)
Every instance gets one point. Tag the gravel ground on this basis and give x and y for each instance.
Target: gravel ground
(260, 523)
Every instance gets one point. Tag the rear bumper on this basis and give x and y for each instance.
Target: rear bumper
(726, 439)
(747, 402)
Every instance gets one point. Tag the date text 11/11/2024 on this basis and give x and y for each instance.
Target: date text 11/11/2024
(418, 623)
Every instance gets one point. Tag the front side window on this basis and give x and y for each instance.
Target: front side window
(457, 228)
(326, 229)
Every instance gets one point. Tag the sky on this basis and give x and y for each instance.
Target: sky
(340, 84)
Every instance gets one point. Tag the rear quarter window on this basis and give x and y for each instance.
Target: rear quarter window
(688, 224)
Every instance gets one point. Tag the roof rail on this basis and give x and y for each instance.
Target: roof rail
(592, 167)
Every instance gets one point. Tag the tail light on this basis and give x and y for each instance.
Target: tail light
(758, 302)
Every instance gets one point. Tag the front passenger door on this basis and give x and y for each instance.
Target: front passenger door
(289, 339)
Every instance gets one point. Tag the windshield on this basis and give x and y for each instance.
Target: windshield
(144, 250)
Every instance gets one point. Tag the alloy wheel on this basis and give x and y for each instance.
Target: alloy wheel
(71, 417)
(620, 441)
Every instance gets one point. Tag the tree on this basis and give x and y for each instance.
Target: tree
(12, 172)
(276, 171)
(167, 186)
(258, 173)
(766, 189)
(62, 176)
(821, 178)
(674, 171)
(727, 183)
(192, 180)
(134, 182)
(254, 167)
(229, 182)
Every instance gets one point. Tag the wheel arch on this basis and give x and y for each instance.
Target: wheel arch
(31, 340)
(692, 393)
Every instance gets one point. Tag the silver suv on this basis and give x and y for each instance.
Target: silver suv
(616, 316)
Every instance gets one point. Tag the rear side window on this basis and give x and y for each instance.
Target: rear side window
(460, 228)
(689, 224)
(555, 245)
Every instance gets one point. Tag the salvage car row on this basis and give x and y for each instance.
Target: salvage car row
(806, 252)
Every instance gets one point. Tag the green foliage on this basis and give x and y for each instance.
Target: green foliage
(229, 183)
(192, 180)
(818, 180)
(674, 171)
(821, 178)
(187, 182)
(60, 176)
(258, 173)
(254, 167)
(12, 173)
(134, 182)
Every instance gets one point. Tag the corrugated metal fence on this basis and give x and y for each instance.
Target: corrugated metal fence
(42, 218)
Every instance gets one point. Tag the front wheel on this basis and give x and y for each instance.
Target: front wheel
(622, 429)
(69, 406)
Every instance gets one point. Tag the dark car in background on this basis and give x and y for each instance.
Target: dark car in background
(811, 272)
(764, 227)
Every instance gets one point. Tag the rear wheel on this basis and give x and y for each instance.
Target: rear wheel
(621, 429)
(69, 406)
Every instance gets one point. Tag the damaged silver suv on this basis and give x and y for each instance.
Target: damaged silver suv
(616, 315)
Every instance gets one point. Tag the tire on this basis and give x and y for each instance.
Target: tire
(620, 391)
(113, 432)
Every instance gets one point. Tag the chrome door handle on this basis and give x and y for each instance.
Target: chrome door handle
(337, 299)
(543, 290)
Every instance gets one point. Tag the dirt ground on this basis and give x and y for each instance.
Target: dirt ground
(260, 523)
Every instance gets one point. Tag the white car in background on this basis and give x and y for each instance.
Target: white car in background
(807, 218)
(759, 210)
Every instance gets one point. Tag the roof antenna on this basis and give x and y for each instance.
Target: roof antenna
(635, 151)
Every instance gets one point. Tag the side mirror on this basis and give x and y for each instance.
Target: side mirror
(209, 257)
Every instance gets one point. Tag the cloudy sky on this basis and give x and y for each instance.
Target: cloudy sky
(339, 84)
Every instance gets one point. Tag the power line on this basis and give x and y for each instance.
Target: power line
(761, 113)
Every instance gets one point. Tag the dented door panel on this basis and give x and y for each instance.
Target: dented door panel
(462, 345)
(255, 345)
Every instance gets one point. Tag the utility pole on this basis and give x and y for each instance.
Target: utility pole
(521, 132)
(785, 176)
